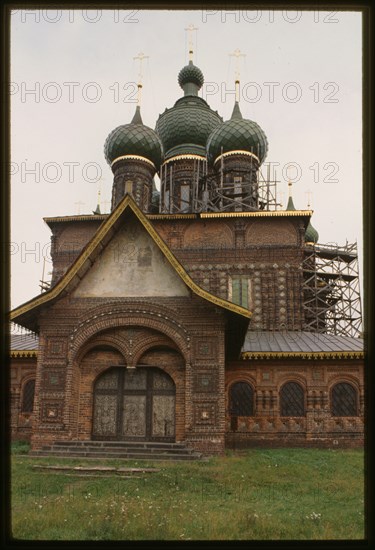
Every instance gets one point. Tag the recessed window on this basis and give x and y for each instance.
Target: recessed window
(240, 291)
(185, 198)
(166, 200)
(129, 187)
(292, 400)
(28, 396)
(241, 399)
(344, 400)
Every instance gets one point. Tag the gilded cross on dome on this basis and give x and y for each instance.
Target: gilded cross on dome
(237, 54)
(140, 57)
(190, 29)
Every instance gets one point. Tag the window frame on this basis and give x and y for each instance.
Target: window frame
(25, 385)
(230, 398)
(356, 399)
(282, 389)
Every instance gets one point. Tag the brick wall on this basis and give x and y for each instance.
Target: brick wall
(22, 369)
(318, 427)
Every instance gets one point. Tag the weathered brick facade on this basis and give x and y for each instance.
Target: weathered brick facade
(82, 337)
(143, 332)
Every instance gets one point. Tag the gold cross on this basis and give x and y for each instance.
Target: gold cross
(190, 30)
(140, 57)
(309, 196)
(237, 54)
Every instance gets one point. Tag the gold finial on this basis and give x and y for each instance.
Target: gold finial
(190, 30)
(237, 54)
(140, 57)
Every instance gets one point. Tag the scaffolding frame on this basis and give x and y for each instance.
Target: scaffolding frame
(331, 290)
(219, 191)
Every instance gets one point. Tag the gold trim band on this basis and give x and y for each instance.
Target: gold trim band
(133, 157)
(236, 152)
(24, 353)
(187, 156)
(302, 355)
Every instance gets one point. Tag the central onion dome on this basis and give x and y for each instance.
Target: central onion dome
(185, 127)
(134, 140)
(237, 134)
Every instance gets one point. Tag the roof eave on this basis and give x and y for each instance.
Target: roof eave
(88, 255)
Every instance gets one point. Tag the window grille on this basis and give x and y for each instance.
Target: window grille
(28, 396)
(292, 400)
(241, 399)
(344, 400)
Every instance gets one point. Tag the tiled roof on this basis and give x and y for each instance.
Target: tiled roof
(20, 342)
(259, 342)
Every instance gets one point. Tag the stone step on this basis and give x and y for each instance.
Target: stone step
(138, 444)
(123, 455)
(116, 450)
(135, 450)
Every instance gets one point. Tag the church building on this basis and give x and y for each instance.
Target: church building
(201, 314)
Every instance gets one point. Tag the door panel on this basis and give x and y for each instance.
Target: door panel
(134, 405)
(105, 415)
(163, 418)
(134, 416)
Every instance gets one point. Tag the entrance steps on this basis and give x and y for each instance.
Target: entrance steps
(130, 450)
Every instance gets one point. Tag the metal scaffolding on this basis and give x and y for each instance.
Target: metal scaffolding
(331, 290)
(234, 189)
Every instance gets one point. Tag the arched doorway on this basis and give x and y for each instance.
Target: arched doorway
(134, 404)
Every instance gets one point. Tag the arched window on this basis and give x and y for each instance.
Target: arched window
(28, 396)
(241, 401)
(292, 400)
(344, 400)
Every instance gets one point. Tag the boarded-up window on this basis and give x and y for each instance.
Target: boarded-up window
(344, 400)
(292, 400)
(28, 396)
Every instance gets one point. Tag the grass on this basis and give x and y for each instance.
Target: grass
(282, 494)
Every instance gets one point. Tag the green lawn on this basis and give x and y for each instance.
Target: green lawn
(257, 494)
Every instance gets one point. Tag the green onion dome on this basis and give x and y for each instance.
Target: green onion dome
(237, 134)
(311, 234)
(185, 127)
(134, 139)
(190, 73)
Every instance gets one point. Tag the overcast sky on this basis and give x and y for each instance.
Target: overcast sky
(73, 81)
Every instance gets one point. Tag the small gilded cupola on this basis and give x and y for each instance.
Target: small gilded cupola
(311, 234)
(134, 153)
